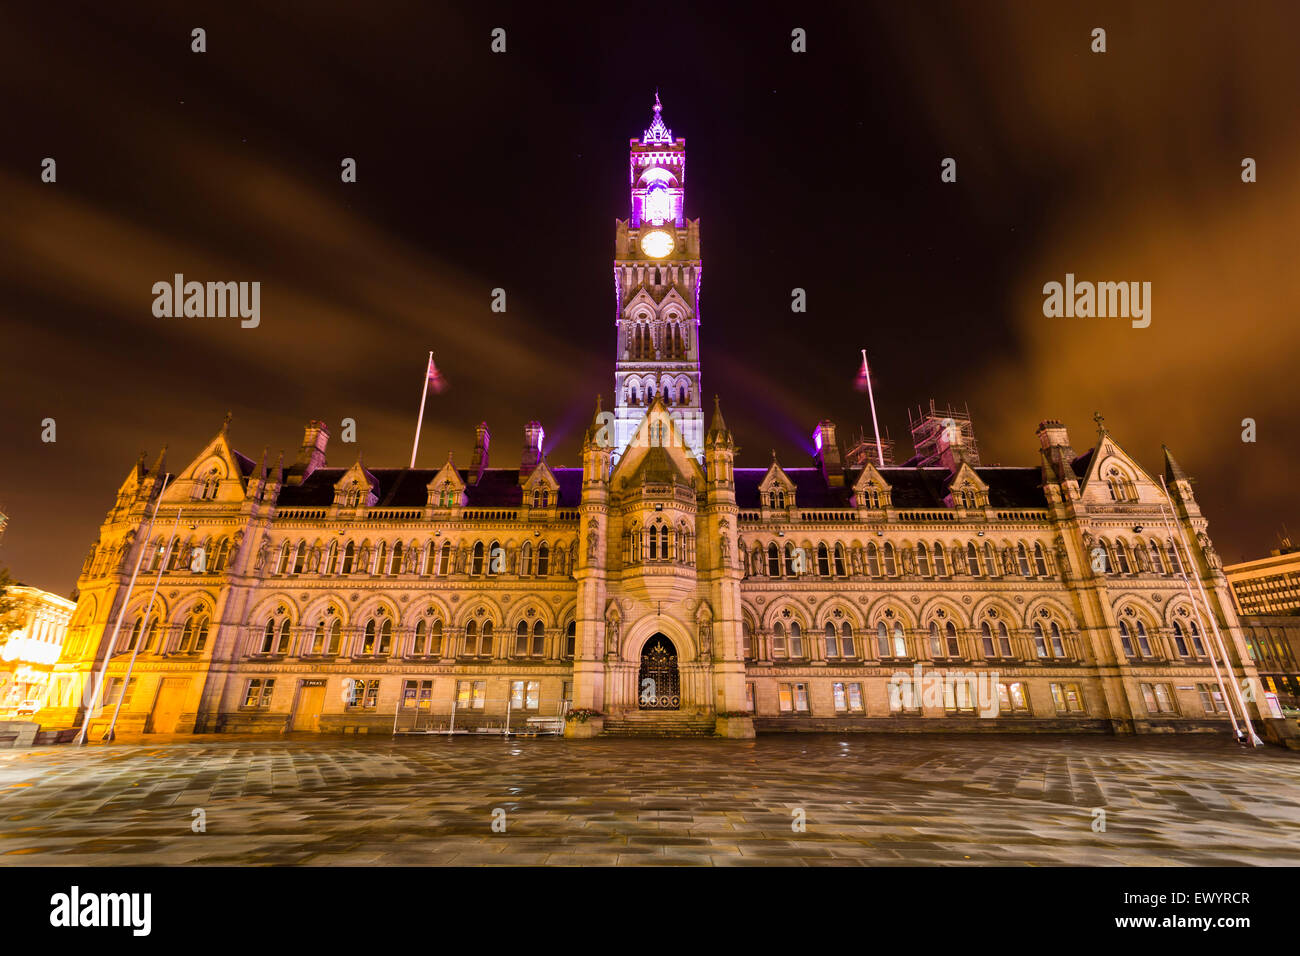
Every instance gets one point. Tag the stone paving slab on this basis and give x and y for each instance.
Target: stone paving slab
(864, 800)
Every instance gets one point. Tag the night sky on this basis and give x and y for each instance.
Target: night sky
(479, 170)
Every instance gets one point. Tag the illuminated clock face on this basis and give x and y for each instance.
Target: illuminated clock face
(657, 244)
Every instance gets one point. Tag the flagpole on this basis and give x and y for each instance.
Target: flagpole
(880, 451)
(144, 628)
(112, 642)
(419, 421)
(1214, 624)
(1205, 631)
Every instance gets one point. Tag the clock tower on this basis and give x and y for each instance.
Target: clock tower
(657, 292)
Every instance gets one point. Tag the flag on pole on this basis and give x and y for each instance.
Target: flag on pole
(863, 381)
(437, 383)
(432, 380)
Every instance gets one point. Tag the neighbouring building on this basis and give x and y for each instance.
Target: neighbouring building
(658, 582)
(1267, 593)
(1267, 585)
(29, 652)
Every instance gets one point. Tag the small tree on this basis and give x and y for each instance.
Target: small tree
(10, 614)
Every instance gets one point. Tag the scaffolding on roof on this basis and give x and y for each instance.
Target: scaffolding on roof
(929, 429)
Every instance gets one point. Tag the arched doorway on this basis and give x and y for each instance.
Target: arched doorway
(658, 682)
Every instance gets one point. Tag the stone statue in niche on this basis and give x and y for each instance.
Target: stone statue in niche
(611, 636)
(909, 561)
(706, 639)
(1008, 562)
(1211, 556)
(262, 554)
(724, 545)
(593, 542)
(1143, 562)
(1062, 558)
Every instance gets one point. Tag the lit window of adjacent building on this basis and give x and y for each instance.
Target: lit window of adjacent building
(1212, 699)
(258, 692)
(471, 694)
(793, 698)
(1067, 698)
(525, 694)
(1158, 699)
(848, 697)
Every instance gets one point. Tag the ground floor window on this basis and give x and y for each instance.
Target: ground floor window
(1068, 698)
(793, 698)
(362, 693)
(568, 690)
(525, 694)
(749, 697)
(114, 691)
(471, 694)
(848, 697)
(1212, 699)
(417, 694)
(1158, 699)
(957, 696)
(258, 692)
(1012, 698)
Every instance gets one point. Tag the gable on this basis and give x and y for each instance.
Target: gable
(658, 444)
(217, 474)
(1114, 477)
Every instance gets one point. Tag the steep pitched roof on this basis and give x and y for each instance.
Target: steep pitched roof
(408, 487)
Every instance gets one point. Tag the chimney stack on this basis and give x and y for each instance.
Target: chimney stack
(312, 454)
(828, 454)
(534, 434)
(482, 439)
(1052, 435)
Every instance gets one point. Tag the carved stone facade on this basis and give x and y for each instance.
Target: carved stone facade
(313, 598)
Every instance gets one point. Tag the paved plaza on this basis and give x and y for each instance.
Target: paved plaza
(875, 800)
